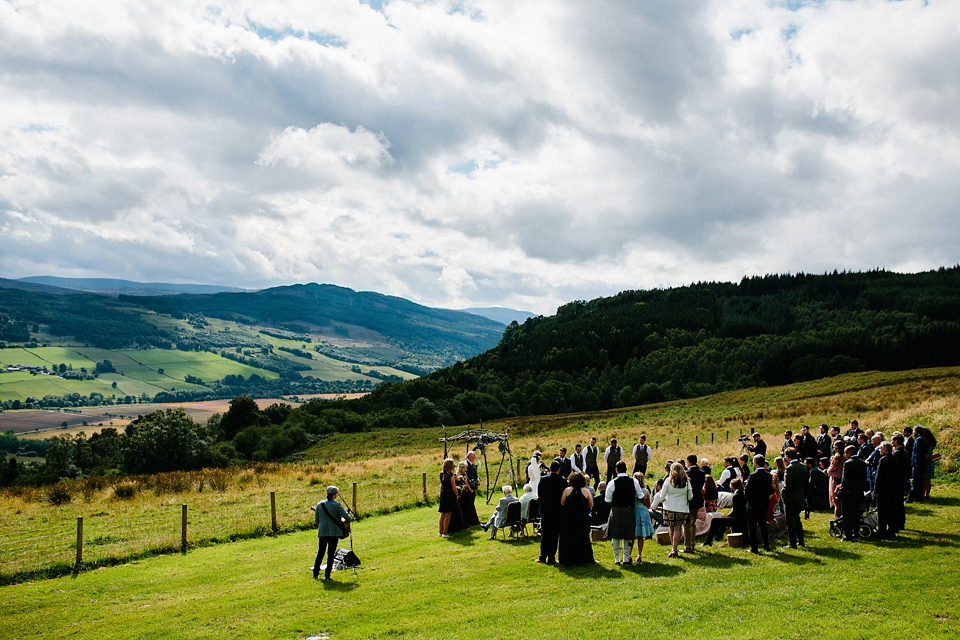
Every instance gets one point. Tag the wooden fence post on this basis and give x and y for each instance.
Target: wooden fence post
(696, 439)
(711, 438)
(273, 511)
(678, 442)
(656, 445)
(354, 497)
(76, 567)
(424, 486)
(183, 529)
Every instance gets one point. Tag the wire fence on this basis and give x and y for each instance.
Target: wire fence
(70, 543)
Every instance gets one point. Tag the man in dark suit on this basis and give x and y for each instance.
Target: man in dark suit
(795, 496)
(697, 478)
(565, 466)
(550, 490)
(902, 456)
(888, 491)
(758, 491)
(854, 482)
(808, 445)
(473, 475)
(824, 442)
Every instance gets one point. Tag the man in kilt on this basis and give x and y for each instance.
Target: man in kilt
(621, 493)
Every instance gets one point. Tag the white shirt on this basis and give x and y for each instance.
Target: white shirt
(608, 494)
(636, 449)
(573, 461)
(606, 454)
(728, 472)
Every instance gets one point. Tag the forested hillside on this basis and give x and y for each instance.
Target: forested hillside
(634, 348)
(648, 346)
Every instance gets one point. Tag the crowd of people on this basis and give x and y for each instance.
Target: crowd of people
(843, 472)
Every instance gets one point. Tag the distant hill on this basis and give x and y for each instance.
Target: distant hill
(343, 315)
(298, 339)
(501, 315)
(114, 287)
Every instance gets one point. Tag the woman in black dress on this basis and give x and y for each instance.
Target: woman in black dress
(575, 546)
(448, 496)
(467, 493)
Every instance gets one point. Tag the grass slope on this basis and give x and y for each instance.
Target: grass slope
(388, 464)
(414, 584)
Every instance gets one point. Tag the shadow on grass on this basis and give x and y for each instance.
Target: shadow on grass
(343, 583)
(944, 501)
(595, 570)
(913, 539)
(847, 552)
(654, 568)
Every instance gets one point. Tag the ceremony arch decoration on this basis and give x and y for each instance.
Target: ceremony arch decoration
(483, 438)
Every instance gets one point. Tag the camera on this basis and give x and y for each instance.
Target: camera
(743, 438)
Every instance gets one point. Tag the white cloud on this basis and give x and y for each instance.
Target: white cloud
(481, 152)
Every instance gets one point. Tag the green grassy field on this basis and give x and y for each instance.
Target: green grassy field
(388, 465)
(414, 584)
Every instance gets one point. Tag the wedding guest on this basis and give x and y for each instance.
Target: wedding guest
(675, 496)
(576, 501)
(448, 496)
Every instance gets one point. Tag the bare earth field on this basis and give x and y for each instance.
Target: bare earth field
(45, 423)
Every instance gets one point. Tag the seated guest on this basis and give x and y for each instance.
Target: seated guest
(710, 493)
(818, 487)
(737, 520)
(499, 518)
(731, 471)
(525, 500)
(601, 508)
(705, 466)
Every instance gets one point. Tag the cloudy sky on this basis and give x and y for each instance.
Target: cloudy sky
(519, 153)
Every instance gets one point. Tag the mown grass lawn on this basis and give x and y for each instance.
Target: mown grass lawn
(415, 584)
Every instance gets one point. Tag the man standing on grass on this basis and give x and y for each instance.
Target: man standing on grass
(473, 475)
(578, 461)
(697, 477)
(758, 491)
(550, 492)
(795, 496)
(641, 455)
(591, 459)
(888, 492)
(854, 483)
(621, 495)
(808, 445)
(825, 442)
(565, 466)
(612, 456)
(787, 442)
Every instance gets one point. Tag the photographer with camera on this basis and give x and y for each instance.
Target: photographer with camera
(333, 523)
(759, 447)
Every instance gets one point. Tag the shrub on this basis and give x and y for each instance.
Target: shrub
(125, 491)
(59, 495)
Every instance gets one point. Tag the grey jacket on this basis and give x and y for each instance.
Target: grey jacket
(501, 513)
(326, 527)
